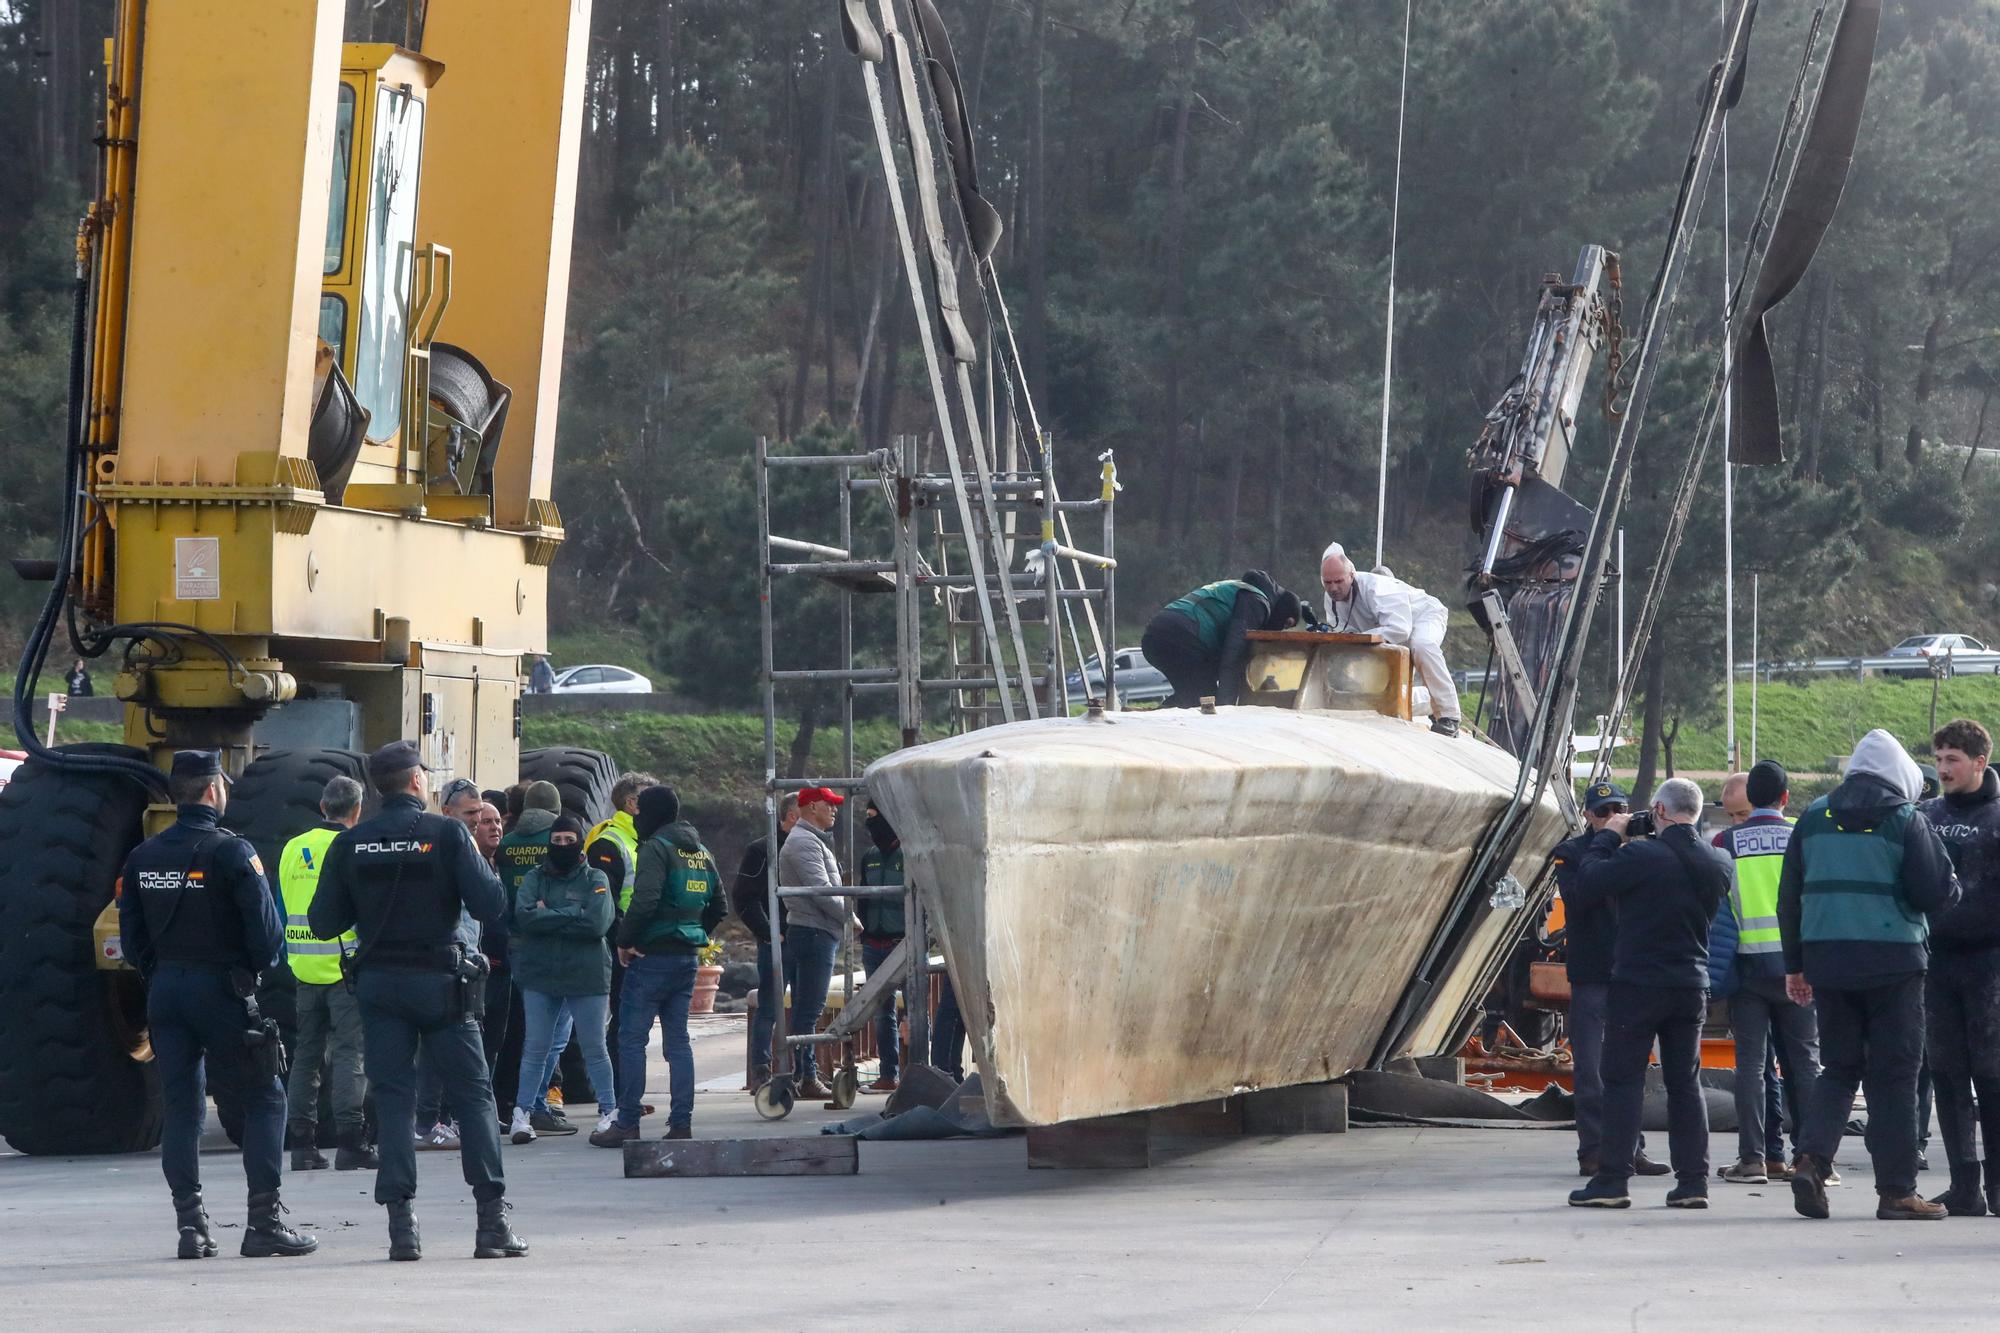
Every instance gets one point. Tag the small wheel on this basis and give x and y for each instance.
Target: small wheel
(774, 1099)
(846, 1086)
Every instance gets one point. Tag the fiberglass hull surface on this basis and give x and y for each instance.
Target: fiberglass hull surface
(1160, 908)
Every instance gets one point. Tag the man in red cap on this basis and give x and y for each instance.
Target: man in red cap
(812, 925)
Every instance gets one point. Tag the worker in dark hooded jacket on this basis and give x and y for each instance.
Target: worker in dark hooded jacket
(1862, 869)
(1962, 989)
(1200, 642)
(677, 899)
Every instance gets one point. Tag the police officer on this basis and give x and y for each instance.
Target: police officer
(196, 918)
(329, 1022)
(399, 881)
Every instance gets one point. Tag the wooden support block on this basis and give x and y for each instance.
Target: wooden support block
(1198, 1120)
(1442, 1068)
(1114, 1142)
(816, 1155)
(1307, 1108)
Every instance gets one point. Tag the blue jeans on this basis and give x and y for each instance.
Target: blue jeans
(948, 1033)
(542, 1011)
(558, 1043)
(657, 985)
(809, 972)
(888, 1032)
(764, 1023)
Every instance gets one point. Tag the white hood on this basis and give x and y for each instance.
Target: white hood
(1881, 755)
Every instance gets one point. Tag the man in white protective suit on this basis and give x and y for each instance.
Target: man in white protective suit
(1381, 603)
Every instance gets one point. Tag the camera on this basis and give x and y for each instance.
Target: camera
(1640, 824)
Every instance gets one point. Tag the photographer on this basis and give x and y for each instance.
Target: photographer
(1666, 883)
(1591, 933)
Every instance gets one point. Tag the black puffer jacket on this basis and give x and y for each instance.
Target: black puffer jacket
(1590, 928)
(1969, 825)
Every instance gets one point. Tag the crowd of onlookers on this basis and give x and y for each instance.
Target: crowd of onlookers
(604, 928)
(1856, 944)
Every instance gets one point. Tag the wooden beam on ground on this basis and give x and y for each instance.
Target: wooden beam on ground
(1114, 1142)
(1198, 1120)
(815, 1155)
(1308, 1108)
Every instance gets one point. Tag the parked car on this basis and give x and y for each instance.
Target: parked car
(1965, 654)
(600, 678)
(9, 761)
(1139, 681)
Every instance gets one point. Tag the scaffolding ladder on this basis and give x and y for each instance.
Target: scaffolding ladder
(904, 578)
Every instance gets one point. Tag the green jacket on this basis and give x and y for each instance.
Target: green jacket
(881, 918)
(677, 896)
(560, 925)
(1212, 605)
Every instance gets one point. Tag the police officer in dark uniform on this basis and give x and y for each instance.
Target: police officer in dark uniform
(399, 881)
(197, 919)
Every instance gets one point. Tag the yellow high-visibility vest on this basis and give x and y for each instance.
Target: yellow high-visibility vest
(314, 961)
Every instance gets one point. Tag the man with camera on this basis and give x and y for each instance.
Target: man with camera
(196, 918)
(1590, 932)
(1666, 883)
(400, 881)
(1861, 871)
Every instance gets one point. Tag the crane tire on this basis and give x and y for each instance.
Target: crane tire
(584, 777)
(76, 1074)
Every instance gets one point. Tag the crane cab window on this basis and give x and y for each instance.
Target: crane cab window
(336, 197)
(388, 259)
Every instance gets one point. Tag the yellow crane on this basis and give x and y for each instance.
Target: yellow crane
(319, 320)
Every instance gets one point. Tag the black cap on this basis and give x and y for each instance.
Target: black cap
(1602, 794)
(393, 758)
(658, 807)
(1767, 784)
(197, 764)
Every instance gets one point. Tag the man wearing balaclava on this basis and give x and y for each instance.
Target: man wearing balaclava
(1861, 872)
(677, 899)
(563, 912)
(881, 931)
(1380, 603)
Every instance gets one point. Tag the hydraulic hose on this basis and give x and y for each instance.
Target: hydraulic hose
(34, 653)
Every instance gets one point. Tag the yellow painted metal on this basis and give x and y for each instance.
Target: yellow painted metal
(500, 166)
(110, 224)
(229, 231)
(336, 581)
(416, 607)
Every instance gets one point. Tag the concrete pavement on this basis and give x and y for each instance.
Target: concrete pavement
(1423, 1228)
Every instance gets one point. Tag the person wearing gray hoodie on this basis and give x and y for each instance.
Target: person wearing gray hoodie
(1861, 873)
(812, 925)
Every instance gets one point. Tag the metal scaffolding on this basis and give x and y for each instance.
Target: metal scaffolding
(959, 515)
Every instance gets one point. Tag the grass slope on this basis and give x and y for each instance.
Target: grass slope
(1804, 725)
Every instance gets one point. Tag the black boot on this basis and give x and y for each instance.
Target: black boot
(192, 1218)
(1963, 1198)
(355, 1153)
(266, 1235)
(495, 1239)
(404, 1243)
(1991, 1166)
(309, 1159)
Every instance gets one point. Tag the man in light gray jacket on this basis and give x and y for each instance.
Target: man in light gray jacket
(812, 925)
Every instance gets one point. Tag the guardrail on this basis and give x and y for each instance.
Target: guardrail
(1910, 668)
